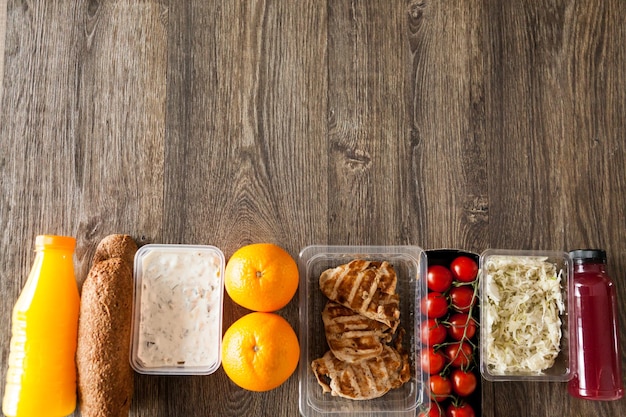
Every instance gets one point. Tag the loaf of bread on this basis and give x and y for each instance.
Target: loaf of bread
(105, 378)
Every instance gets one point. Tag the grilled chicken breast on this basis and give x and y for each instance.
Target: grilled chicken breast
(363, 380)
(367, 287)
(351, 336)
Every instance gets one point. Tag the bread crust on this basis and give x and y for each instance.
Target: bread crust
(105, 378)
(116, 246)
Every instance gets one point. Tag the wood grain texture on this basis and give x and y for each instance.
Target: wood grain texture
(447, 121)
(438, 124)
(3, 27)
(86, 97)
(246, 140)
(120, 93)
(368, 139)
(553, 89)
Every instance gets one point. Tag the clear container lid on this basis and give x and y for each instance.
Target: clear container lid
(563, 367)
(409, 263)
(177, 309)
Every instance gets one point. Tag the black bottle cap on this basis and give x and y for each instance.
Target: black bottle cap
(581, 255)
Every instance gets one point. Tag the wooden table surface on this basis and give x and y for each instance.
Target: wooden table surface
(473, 125)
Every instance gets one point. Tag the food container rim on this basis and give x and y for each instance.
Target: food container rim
(136, 310)
(312, 253)
(566, 317)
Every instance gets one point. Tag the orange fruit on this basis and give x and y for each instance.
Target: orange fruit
(261, 277)
(260, 351)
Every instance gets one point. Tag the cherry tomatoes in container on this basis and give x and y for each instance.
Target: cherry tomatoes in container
(464, 268)
(460, 410)
(435, 305)
(432, 332)
(462, 298)
(461, 326)
(460, 354)
(432, 361)
(440, 387)
(459, 346)
(463, 382)
(433, 411)
(439, 278)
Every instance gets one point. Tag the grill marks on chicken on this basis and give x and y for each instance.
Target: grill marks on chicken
(367, 287)
(351, 336)
(366, 379)
(360, 322)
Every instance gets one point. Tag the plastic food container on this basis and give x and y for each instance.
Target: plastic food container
(409, 263)
(562, 368)
(177, 309)
(444, 257)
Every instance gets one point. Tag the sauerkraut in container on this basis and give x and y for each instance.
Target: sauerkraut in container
(524, 315)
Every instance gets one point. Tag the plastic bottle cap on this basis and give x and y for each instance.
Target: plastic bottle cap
(53, 241)
(588, 255)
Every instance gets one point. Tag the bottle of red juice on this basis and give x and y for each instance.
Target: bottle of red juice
(599, 373)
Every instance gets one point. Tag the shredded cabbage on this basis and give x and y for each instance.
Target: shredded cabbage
(523, 307)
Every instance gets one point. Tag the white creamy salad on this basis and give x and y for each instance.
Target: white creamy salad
(180, 309)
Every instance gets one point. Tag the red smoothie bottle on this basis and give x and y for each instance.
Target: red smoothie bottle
(599, 371)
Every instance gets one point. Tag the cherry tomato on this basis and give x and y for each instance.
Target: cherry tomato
(464, 269)
(439, 278)
(433, 411)
(462, 298)
(462, 326)
(433, 333)
(440, 387)
(460, 354)
(432, 361)
(434, 305)
(463, 382)
(460, 410)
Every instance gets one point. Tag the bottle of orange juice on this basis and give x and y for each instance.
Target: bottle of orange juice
(41, 379)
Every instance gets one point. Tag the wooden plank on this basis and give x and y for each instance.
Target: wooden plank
(525, 126)
(594, 171)
(554, 89)
(448, 161)
(120, 94)
(3, 27)
(370, 198)
(246, 139)
(36, 121)
(242, 91)
(80, 117)
(82, 131)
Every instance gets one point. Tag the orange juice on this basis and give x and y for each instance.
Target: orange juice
(41, 379)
